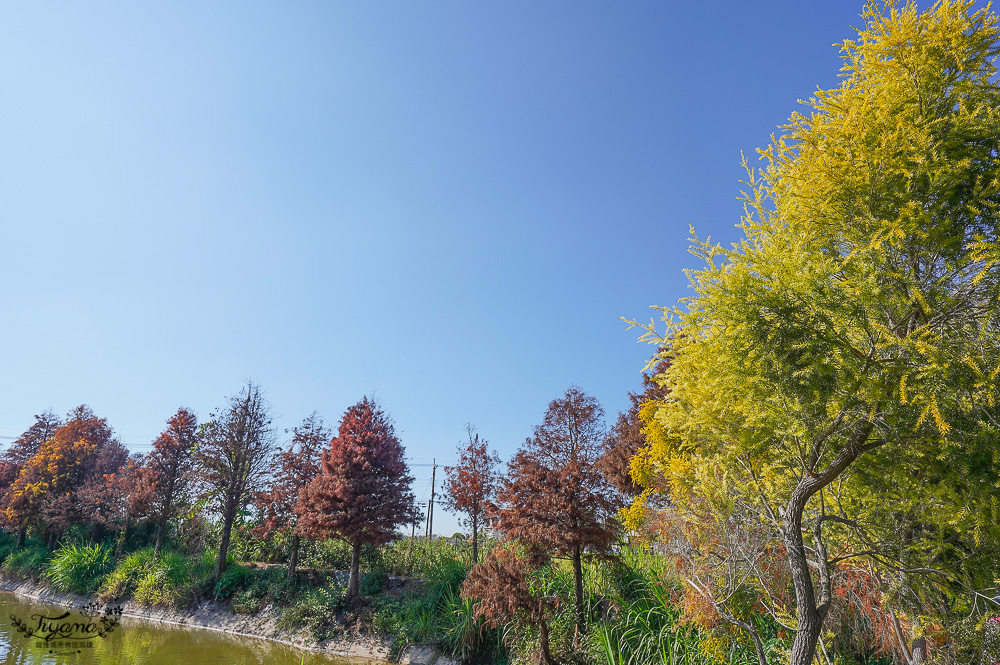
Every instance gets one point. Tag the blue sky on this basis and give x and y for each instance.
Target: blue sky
(448, 205)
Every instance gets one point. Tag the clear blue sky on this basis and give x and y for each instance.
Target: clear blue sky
(448, 205)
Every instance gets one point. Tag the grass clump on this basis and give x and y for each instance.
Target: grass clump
(79, 568)
(29, 561)
(167, 581)
(125, 578)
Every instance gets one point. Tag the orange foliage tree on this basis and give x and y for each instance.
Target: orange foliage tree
(17, 455)
(44, 487)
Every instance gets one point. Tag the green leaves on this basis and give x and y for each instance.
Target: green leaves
(858, 318)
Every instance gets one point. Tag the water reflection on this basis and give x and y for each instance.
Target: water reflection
(140, 642)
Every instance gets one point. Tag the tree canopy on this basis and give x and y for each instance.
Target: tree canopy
(362, 492)
(554, 499)
(472, 483)
(833, 380)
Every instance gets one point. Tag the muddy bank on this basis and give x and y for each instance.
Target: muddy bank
(262, 625)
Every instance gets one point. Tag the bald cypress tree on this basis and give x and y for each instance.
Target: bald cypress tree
(554, 498)
(363, 490)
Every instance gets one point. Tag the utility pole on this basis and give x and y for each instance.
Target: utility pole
(430, 504)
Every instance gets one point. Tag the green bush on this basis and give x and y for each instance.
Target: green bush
(434, 612)
(124, 579)
(29, 561)
(79, 568)
(236, 577)
(7, 543)
(317, 609)
(373, 583)
(419, 558)
(267, 586)
(331, 554)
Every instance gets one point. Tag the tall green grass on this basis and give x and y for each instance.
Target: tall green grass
(79, 568)
(124, 579)
(167, 581)
(29, 561)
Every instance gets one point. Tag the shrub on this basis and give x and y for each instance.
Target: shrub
(7, 542)
(318, 610)
(267, 586)
(373, 583)
(235, 578)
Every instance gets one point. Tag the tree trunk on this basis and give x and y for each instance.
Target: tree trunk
(293, 557)
(352, 582)
(919, 650)
(543, 638)
(809, 612)
(581, 619)
(121, 538)
(475, 539)
(53, 536)
(159, 536)
(227, 531)
(810, 619)
(21, 533)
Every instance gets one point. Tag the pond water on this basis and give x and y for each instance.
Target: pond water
(132, 641)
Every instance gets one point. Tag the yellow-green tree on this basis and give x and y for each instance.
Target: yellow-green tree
(832, 382)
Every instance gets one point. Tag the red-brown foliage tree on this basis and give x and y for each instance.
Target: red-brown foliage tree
(500, 586)
(472, 483)
(169, 466)
(291, 471)
(232, 458)
(20, 451)
(627, 436)
(554, 499)
(363, 491)
(89, 503)
(126, 496)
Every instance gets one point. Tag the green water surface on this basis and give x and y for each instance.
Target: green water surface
(138, 642)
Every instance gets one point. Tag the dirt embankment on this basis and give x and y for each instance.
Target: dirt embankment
(262, 625)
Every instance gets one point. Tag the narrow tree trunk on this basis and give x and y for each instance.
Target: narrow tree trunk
(475, 539)
(159, 536)
(95, 532)
(581, 618)
(53, 536)
(543, 638)
(122, 537)
(352, 582)
(227, 531)
(919, 650)
(21, 533)
(293, 557)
